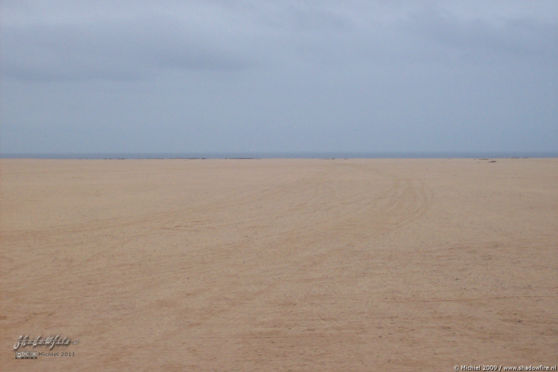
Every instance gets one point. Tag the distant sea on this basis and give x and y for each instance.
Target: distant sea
(284, 155)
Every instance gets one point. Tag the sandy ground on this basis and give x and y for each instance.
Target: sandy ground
(310, 265)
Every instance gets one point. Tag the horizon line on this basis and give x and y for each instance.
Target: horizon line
(278, 155)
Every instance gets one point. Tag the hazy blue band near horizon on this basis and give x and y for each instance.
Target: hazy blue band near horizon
(287, 155)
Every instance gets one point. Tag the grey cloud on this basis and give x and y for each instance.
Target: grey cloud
(121, 46)
(284, 75)
(521, 37)
(110, 50)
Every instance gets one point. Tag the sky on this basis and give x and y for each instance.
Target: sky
(123, 76)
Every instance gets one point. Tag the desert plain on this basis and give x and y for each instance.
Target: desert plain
(280, 264)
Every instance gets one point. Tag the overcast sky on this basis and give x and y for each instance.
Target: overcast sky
(281, 75)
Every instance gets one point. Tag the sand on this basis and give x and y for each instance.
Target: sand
(277, 265)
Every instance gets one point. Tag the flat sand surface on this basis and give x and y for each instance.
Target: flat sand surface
(279, 265)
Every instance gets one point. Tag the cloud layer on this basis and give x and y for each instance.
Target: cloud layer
(168, 76)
